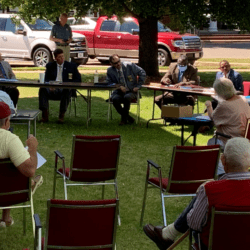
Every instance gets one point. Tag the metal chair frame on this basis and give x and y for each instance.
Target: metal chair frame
(25, 205)
(149, 184)
(38, 232)
(137, 102)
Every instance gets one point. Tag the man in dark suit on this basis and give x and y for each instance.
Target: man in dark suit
(128, 78)
(179, 74)
(61, 71)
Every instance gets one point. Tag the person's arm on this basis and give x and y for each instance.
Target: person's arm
(70, 37)
(239, 84)
(10, 73)
(166, 79)
(197, 216)
(141, 73)
(193, 77)
(53, 36)
(28, 167)
(76, 75)
(209, 106)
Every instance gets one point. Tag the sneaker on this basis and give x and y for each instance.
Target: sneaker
(4, 224)
(38, 181)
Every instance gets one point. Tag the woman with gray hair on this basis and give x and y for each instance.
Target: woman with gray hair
(230, 116)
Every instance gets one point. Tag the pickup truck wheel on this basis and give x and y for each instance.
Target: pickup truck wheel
(41, 57)
(103, 61)
(163, 58)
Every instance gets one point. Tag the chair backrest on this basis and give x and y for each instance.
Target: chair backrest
(246, 88)
(229, 228)
(247, 132)
(191, 166)
(94, 158)
(81, 224)
(14, 186)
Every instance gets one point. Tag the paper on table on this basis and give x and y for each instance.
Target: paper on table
(40, 159)
(203, 117)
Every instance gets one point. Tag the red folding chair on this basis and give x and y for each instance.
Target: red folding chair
(190, 167)
(15, 188)
(229, 229)
(78, 225)
(94, 161)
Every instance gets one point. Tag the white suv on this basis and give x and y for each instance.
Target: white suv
(31, 41)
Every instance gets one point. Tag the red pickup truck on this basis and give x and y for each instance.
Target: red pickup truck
(112, 37)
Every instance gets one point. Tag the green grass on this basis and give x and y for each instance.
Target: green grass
(231, 60)
(138, 144)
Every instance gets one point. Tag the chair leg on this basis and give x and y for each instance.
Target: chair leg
(163, 210)
(54, 186)
(65, 188)
(144, 202)
(75, 105)
(24, 220)
(103, 190)
(32, 214)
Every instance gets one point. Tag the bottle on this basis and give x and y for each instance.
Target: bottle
(96, 77)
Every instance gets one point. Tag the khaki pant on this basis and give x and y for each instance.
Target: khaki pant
(66, 51)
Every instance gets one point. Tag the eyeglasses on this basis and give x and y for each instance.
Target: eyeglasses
(115, 63)
(225, 67)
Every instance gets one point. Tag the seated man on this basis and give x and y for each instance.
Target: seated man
(234, 76)
(179, 74)
(25, 160)
(7, 73)
(128, 78)
(61, 71)
(227, 191)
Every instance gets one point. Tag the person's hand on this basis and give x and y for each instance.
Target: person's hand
(166, 81)
(123, 89)
(178, 85)
(135, 89)
(208, 104)
(52, 89)
(60, 40)
(32, 142)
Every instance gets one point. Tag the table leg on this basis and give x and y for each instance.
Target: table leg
(28, 129)
(88, 106)
(182, 135)
(34, 129)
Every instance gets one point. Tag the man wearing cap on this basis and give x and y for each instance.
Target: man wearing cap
(179, 74)
(7, 73)
(61, 34)
(24, 160)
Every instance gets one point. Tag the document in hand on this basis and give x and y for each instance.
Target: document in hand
(40, 159)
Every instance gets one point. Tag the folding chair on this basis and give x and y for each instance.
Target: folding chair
(15, 188)
(229, 229)
(78, 225)
(133, 102)
(190, 167)
(94, 160)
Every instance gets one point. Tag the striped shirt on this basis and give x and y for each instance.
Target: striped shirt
(197, 216)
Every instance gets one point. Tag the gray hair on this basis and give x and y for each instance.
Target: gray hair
(2, 121)
(224, 88)
(237, 153)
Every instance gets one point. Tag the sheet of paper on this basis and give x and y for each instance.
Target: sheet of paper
(40, 159)
(203, 117)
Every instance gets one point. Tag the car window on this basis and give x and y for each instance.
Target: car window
(162, 27)
(110, 25)
(10, 26)
(81, 21)
(129, 27)
(40, 24)
(3, 23)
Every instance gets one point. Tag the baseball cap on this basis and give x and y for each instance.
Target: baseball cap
(4, 110)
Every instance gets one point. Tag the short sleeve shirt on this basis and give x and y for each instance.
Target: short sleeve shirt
(12, 147)
(61, 32)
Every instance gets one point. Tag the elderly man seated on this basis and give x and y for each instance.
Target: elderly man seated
(24, 160)
(179, 74)
(229, 190)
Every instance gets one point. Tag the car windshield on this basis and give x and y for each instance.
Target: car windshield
(41, 24)
(163, 28)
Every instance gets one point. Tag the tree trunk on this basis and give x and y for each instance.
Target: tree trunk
(148, 49)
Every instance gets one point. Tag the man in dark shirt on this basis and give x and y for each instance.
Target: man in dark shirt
(61, 34)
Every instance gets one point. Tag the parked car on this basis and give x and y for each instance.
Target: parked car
(110, 36)
(31, 41)
(84, 23)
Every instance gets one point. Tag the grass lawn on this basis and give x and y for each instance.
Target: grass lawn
(138, 145)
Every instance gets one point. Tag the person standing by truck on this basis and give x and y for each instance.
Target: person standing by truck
(61, 34)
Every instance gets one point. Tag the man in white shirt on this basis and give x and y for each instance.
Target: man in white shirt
(62, 71)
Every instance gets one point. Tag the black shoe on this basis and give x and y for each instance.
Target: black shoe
(131, 120)
(155, 234)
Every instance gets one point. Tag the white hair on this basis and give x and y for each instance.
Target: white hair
(237, 153)
(224, 88)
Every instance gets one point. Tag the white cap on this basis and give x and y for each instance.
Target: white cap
(4, 97)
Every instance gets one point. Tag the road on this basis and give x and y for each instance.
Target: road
(211, 50)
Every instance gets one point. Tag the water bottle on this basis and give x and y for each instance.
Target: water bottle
(96, 77)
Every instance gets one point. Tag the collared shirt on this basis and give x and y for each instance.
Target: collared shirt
(59, 76)
(2, 72)
(226, 76)
(198, 215)
(61, 32)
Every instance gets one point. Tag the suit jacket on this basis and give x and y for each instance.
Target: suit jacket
(190, 74)
(8, 70)
(69, 69)
(235, 77)
(134, 75)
